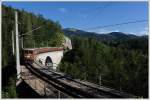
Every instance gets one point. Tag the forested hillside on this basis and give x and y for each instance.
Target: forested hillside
(50, 34)
(120, 64)
(109, 37)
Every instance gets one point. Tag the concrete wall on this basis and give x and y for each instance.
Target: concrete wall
(56, 57)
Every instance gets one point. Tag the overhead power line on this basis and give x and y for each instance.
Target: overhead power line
(28, 33)
(99, 8)
(96, 11)
(118, 24)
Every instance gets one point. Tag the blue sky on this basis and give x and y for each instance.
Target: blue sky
(84, 15)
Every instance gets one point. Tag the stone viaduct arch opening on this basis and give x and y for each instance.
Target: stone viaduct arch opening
(48, 62)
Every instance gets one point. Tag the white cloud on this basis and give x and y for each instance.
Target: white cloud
(63, 10)
(100, 31)
(105, 31)
(132, 33)
(116, 31)
(142, 32)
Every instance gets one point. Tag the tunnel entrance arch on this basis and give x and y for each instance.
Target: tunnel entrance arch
(48, 62)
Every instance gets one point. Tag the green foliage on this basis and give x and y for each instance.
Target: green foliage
(10, 90)
(57, 39)
(50, 34)
(122, 66)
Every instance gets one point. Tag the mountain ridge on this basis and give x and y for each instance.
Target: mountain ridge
(107, 36)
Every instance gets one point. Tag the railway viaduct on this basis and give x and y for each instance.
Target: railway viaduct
(49, 83)
(53, 84)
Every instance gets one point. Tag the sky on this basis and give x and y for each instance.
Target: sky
(86, 15)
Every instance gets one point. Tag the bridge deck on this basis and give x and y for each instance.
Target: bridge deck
(40, 86)
(74, 87)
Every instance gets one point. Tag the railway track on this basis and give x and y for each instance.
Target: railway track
(73, 87)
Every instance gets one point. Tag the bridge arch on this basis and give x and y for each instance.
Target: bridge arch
(55, 56)
(48, 62)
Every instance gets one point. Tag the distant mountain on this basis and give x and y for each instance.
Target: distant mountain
(109, 36)
(75, 32)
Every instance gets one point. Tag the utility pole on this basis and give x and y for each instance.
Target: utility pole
(13, 49)
(17, 46)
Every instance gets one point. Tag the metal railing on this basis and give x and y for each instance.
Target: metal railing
(46, 87)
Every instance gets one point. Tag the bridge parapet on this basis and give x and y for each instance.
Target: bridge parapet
(41, 87)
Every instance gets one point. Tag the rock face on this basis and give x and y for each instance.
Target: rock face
(67, 43)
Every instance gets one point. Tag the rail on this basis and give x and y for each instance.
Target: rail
(51, 82)
(41, 87)
(103, 82)
(82, 88)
